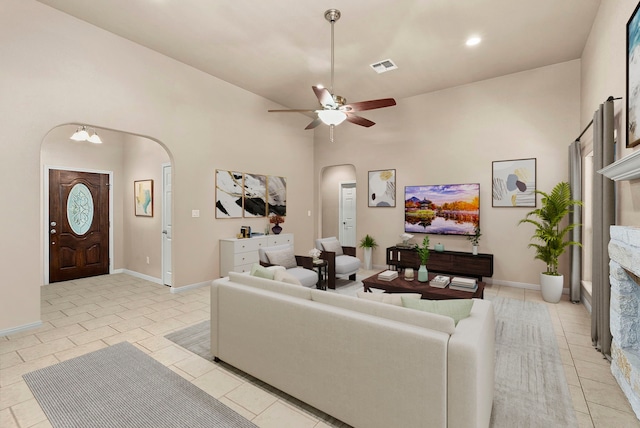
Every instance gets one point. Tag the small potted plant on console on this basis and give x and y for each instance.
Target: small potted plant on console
(423, 253)
(475, 239)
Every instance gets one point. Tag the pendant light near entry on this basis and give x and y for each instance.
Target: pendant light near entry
(81, 134)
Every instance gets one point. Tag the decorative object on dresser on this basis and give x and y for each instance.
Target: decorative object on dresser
(514, 183)
(448, 262)
(438, 247)
(475, 239)
(406, 237)
(276, 220)
(382, 188)
(423, 253)
(555, 206)
(238, 255)
(342, 259)
(368, 243)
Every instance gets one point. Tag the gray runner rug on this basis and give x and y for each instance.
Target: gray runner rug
(531, 389)
(530, 385)
(121, 386)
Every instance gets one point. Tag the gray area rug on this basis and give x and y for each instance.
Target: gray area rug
(531, 389)
(121, 386)
(530, 385)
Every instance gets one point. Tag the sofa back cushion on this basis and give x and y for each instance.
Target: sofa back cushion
(457, 309)
(383, 310)
(390, 298)
(330, 244)
(271, 285)
(281, 255)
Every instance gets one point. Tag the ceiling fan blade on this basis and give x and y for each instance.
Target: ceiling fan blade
(359, 120)
(324, 97)
(370, 105)
(314, 123)
(291, 111)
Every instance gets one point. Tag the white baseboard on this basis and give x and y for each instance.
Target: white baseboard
(512, 283)
(189, 287)
(142, 276)
(20, 329)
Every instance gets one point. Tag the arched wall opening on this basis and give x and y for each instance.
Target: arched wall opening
(332, 179)
(136, 242)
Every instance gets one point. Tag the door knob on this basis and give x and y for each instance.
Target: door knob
(164, 232)
(53, 223)
(53, 231)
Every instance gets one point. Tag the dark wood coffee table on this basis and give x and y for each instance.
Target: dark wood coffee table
(399, 285)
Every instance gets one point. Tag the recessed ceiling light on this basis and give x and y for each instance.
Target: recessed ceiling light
(472, 41)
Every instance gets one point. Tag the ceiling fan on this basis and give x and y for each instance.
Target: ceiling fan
(334, 108)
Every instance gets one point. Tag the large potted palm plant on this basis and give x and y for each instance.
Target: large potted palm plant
(550, 238)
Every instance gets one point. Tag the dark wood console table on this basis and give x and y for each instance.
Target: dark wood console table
(449, 262)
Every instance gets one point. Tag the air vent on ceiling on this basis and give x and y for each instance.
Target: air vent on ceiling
(384, 66)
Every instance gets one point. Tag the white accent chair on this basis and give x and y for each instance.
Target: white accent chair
(342, 261)
(299, 266)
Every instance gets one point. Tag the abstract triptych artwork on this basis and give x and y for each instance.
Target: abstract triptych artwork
(249, 195)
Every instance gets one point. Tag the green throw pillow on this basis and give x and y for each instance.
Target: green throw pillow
(261, 271)
(455, 308)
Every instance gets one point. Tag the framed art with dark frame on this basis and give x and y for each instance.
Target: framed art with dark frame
(382, 188)
(143, 198)
(513, 183)
(633, 79)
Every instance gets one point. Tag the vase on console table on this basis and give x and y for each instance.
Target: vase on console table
(276, 229)
(474, 250)
(423, 274)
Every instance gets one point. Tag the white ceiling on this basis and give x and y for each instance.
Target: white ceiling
(278, 49)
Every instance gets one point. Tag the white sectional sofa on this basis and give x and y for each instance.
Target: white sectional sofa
(366, 363)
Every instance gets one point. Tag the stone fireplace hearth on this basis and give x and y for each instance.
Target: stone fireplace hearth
(624, 253)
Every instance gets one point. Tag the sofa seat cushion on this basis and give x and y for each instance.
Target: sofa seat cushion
(347, 265)
(271, 285)
(305, 277)
(427, 320)
(457, 309)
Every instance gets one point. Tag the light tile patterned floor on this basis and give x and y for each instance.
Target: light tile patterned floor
(85, 315)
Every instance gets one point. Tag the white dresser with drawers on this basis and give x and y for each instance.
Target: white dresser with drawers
(238, 255)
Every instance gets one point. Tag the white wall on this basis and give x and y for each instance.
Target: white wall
(452, 136)
(604, 74)
(57, 70)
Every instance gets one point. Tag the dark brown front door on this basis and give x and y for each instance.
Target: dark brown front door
(78, 225)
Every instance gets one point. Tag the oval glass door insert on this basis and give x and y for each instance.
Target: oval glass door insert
(80, 209)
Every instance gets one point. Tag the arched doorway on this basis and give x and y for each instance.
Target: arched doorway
(135, 242)
(337, 195)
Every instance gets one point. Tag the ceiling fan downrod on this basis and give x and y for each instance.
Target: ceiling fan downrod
(332, 15)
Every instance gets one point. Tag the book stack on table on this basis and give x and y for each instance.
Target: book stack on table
(388, 275)
(440, 281)
(464, 284)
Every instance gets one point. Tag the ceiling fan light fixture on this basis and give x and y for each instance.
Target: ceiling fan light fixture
(331, 117)
(473, 41)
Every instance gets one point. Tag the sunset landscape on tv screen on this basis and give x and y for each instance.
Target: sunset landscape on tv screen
(445, 209)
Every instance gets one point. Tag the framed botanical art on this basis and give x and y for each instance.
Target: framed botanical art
(382, 188)
(514, 183)
(228, 194)
(143, 197)
(633, 79)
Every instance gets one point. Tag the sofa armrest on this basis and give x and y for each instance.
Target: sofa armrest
(349, 251)
(330, 257)
(305, 262)
(471, 365)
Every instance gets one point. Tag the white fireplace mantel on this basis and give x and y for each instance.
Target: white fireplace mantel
(627, 168)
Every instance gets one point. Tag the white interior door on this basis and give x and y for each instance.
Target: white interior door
(348, 214)
(166, 224)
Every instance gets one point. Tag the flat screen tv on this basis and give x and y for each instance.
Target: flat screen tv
(442, 209)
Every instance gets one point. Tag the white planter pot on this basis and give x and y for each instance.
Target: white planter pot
(474, 250)
(367, 258)
(551, 287)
